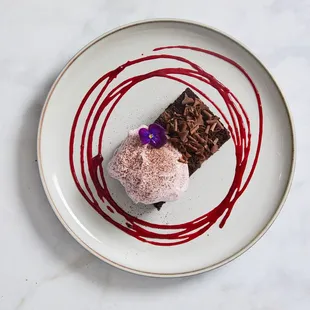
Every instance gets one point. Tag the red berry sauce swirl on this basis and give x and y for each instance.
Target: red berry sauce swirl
(90, 162)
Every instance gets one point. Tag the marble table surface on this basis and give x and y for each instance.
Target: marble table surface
(41, 265)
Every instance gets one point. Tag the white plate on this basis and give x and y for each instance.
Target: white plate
(253, 212)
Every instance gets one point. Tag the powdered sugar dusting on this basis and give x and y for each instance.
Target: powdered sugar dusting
(149, 175)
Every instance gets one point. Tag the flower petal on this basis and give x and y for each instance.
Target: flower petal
(156, 129)
(144, 136)
(158, 140)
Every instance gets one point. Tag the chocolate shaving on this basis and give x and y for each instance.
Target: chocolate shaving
(197, 102)
(213, 126)
(191, 139)
(185, 112)
(195, 144)
(187, 99)
(183, 126)
(183, 135)
(194, 129)
(207, 114)
(190, 122)
(192, 148)
(182, 160)
(187, 155)
(207, 129)
(201, 140)
(166, 116)
(214, 148)
(174, 140)
(211, 121)
(199, 152)
(175, 124)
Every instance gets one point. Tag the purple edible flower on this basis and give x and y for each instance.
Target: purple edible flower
(154, 135)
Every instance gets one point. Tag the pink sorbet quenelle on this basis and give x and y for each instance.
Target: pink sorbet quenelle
(149, 175)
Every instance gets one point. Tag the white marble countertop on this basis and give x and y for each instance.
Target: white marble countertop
(42, 266)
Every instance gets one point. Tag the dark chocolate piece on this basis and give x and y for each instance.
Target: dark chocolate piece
(193, 129)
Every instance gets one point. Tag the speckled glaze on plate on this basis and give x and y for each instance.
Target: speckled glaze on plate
(254, 211)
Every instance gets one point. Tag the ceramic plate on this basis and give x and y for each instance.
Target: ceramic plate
(126, 78)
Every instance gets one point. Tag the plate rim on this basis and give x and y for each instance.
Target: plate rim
(159, 274)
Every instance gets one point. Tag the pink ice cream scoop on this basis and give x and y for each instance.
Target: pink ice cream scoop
(149, 174)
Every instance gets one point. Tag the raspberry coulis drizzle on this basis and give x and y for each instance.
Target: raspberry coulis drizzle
(239, 127)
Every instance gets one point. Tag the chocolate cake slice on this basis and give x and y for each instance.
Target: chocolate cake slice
(193, 129)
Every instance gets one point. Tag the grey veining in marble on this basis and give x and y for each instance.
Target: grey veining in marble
(41, 266)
